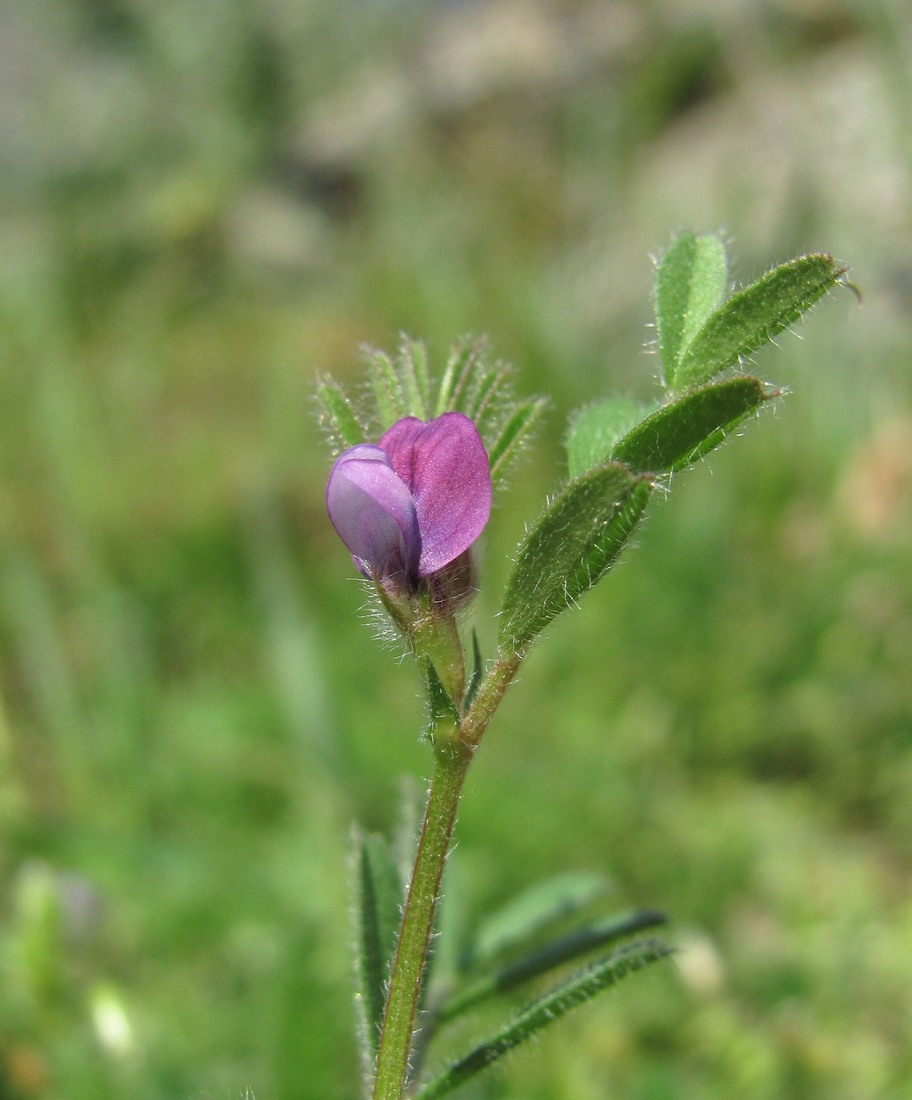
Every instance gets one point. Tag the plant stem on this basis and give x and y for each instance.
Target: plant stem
(451, 762)
(452, 756)
(489, 696)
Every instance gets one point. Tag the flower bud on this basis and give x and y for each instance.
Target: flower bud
(409, 507)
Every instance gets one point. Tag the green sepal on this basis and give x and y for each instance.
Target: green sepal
(508, 437)
(690, 283)
(686, 429)
(337, 416)
(596, 428)
(547, 1009)
(378, 892)
(570, 548)
(753, 316)
(547, 957)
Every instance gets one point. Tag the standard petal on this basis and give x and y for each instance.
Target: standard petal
(373, 512)
(444, 464)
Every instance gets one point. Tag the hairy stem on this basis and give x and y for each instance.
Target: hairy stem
(489, 696)
(451, 762)
(452, 756)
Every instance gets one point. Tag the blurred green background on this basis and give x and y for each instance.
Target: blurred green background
(205, 203)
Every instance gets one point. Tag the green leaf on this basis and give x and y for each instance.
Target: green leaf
(338, 417)
(516, 925)
(681, 432)
(690, 283)
(482, 394)
(477, 673)
(570, 548)
(443, 711)
(482, 391)
(552, 1006)
(390, 403)
(546, 958)
(378, 900)
(463, 361)
(412, 370)
(753, 316)
(596, 428)
(513, 433)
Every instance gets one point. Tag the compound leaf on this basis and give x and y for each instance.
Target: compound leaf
(753, 316)
(684, 430)
(547, 1009)
(570, 548)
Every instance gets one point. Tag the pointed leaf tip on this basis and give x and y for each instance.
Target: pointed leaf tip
(338, 416)
(690, 283)
(573, 544)
(378, 893)
(547, 1009)
(753, 316)
(679, 433)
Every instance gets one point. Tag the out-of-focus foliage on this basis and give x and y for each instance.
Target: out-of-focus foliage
(204, 205)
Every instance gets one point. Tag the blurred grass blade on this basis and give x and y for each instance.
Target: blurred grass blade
(338, 417)
(513, 434)
(570, 548)
(685, 430)
(562, 950)
(547, 1009)
(690, 284)
(596, 428)
(753, 316)
(526, 917)
(378, 900)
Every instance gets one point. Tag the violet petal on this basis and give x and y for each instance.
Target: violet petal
(373, 512)
(444, 464)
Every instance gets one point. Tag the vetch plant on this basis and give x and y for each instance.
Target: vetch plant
(409, 494)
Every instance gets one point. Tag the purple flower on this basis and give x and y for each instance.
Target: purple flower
(410, 505)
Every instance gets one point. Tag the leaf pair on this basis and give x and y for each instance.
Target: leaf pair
(617, 448)
(527, 940)
(524, 942)
(699, 335)
(545, 1010)
(571, 547)
(666, 438)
